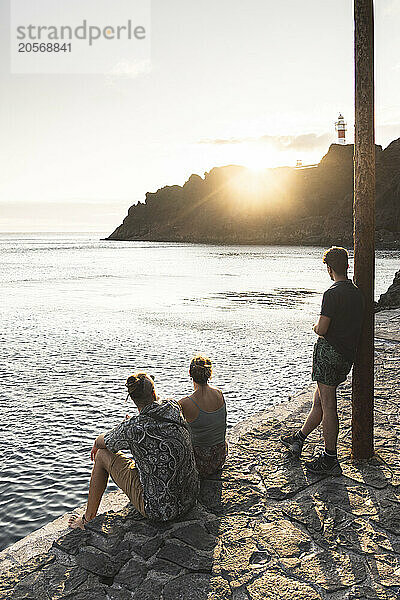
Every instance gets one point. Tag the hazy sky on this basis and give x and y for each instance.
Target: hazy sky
(258, 83)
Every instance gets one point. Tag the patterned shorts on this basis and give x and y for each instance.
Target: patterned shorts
(329, 366)
(210, 459)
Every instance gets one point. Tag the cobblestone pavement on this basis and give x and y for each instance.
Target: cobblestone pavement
(267, 530)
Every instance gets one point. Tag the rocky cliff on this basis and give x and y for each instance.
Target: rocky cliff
(284, 205)
(391, 298)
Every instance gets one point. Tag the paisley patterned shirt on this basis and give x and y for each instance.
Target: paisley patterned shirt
(161, 446)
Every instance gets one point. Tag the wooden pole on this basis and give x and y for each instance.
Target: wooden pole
(364, 226)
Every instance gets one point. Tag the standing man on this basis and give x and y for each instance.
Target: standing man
(338, 329)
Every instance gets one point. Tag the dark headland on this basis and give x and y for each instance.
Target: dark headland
(285, 205)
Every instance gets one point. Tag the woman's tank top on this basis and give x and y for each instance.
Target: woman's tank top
(209, 428)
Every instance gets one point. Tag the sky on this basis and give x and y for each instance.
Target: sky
(258, 83)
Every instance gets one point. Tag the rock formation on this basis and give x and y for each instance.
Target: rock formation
(285, 205)
(391, 298)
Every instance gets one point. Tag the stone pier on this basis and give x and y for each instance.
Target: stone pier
(266, 530)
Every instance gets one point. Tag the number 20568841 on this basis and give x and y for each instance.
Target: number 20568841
(43, 47)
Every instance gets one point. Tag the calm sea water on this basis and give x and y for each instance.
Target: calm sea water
(79, 315)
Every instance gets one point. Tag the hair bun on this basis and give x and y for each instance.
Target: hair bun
(140, 386)
(200, 369)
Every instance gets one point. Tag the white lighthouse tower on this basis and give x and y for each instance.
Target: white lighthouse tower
(341, 128)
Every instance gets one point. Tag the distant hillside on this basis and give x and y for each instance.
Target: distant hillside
(233, 205)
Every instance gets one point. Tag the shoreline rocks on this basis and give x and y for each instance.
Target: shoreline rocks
(391, 298)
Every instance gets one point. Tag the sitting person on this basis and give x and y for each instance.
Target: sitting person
(161, 482)
(205, 413)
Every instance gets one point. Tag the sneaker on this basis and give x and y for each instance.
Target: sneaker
(293, 443)
(318, 466)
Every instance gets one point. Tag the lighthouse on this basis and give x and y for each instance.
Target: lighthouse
(341, 128)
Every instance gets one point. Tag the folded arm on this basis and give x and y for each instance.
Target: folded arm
(322, 325)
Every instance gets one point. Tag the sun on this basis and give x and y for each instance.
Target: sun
(250, 186)
(256, 157)
(256, 190)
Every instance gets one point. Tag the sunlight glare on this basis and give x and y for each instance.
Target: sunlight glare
(257, 157)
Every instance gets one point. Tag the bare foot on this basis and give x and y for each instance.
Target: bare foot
(76, 522)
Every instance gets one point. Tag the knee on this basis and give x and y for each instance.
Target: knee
(317, 401)
(101, 456)
(329, 405)
(327, 395)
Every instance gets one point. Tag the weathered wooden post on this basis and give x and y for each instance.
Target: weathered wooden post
(364, 226)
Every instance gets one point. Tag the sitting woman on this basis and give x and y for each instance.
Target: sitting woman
(205, 413)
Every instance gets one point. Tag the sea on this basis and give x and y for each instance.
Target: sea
(79, 315)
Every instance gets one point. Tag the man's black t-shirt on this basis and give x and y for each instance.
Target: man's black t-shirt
(343, 302)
